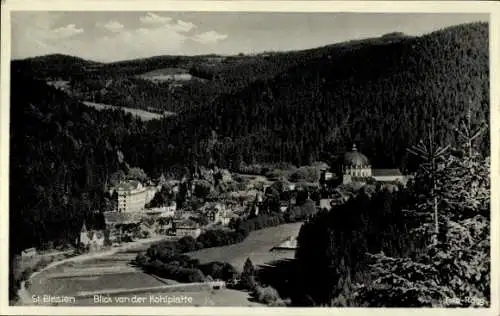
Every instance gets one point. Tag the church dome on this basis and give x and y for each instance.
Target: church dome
(354, 158)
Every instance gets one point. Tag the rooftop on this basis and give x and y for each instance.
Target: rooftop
(386, 172)
(129, 185)
(187, 224)
(355, 158)
(98, 233)
(122, 217)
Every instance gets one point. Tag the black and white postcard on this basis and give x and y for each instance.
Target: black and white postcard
(265, 156)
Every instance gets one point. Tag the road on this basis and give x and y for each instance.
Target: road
(81, 278)
(109, 274)
(25, 297)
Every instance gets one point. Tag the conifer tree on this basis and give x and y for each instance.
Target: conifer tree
(248, 275)
(431, 153)
(457, 265)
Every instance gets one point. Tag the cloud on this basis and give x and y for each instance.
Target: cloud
(41, 26)
(209, 37)
(35, 33)
(63, 32)
(130, 44)
(41, 33)
(182, 26)
(154, 19)
(111, 26)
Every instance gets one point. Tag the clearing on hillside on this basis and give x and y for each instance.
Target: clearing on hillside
(257, 246)
(142, 114)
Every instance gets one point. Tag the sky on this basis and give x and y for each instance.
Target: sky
(112, 36)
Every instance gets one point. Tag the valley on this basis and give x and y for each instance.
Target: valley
(112, 275)
(289, 178)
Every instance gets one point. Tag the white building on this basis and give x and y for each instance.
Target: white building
(150, 193)
(328, 175)
(93, 239)
(132, 196)
(187, 228)
(325, 204)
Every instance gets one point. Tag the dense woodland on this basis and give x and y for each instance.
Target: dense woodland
(62, 154)
(379, 96)
(311, 105)
(293, 107)
(304, 106)
(384, 250)
(120, 83)
(341, 240)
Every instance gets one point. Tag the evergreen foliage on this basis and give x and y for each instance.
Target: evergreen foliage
(378, 92)
(248, 275)
(454, 268)
(408, 264)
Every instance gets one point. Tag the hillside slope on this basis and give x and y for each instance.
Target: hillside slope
(380, 96)
(52, 66)
(122, 83)
(61, 155)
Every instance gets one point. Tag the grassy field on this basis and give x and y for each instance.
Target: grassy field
(88, 275)
(257, 246)
(144, 115)
(43, 284)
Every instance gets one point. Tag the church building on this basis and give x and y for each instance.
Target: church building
(91, 239)
(357, 168)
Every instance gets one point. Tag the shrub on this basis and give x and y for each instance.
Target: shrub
(140, 259)
(193, 275)
(219, 270)
(202, 188)
(174, 270)
(186, 244)
(267, 295)
(26, 274)
(42, 264)
(309, 174)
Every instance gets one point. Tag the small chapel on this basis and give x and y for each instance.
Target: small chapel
(91, 239)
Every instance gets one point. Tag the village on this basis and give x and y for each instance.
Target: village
(206, 208)
(249, 159)
(214, 198)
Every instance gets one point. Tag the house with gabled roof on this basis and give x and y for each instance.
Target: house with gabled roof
(187, 228)
(92, 239)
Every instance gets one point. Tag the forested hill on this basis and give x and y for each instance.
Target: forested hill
(61, 155)
(381, 96)
(298, 106)
(126, 83)
(52, 66)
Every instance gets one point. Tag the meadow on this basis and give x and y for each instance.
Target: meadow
(257, 246)
(142, 114)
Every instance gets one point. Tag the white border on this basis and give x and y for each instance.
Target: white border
(491, 7)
